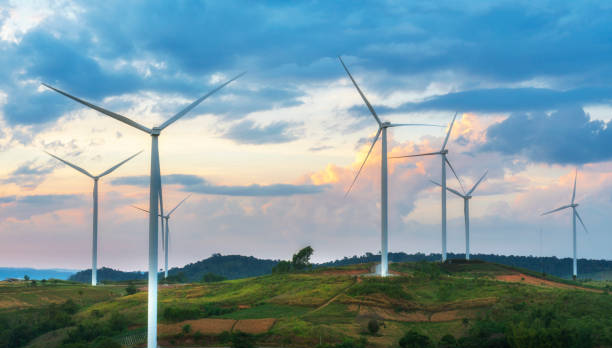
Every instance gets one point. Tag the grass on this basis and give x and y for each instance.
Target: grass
(299, 302)
(267, 310)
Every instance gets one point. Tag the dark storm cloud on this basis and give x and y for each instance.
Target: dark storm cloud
(196, 184)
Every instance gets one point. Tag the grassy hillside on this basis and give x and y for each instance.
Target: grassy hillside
(479, 304)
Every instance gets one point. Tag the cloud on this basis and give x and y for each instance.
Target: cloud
(247, 132)
(506, 99)
(567, 136)
(197, 184)
(24, 207)
(28, 175)
(160, 49)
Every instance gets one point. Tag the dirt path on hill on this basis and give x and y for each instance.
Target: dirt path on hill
(335, 296)
(526, 279)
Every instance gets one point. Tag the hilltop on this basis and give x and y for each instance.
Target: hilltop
(480, 304)
(238, 266)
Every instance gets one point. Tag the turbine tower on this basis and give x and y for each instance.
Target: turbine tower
(166, 233)
(466, 210)
(154, 195)
(382, 128)
(443, 152)
(94, 247)
(575, 215)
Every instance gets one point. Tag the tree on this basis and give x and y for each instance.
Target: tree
(301, 260)
(243, 340)
(373, 326)
(131, 289)
(211, 278)
(282, 267)
(413, 339)
(26, 277)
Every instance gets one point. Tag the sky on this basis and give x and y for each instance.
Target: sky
(270, 157)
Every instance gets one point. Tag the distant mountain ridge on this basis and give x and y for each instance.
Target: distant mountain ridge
(36, 274)
(238, 266)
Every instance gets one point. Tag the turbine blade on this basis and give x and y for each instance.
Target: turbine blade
(556, 210)
(449, 189)
(455, 173)
(449, 132)
(102, 110)
(197, 102)
(421, 154)
(581, 222)
(413, 124)
(364, 161)
(477, 183)
(71, 165)
(119, 164)
(361, 93)
(574, 193)
(133, 206)
(178, 205)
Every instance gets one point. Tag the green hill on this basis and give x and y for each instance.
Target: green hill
(480, 304)
(238, 266)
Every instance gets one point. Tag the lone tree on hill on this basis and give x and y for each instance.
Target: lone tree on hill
(300, 261)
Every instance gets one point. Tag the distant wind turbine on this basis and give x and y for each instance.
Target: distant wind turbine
(466, 211)
(154, 195)
(575, 215)
(443, 152)
(94, 248)
(382, 128)
(166, 234)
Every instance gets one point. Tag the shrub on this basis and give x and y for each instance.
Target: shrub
(242, 340)
(225, 337)
(448, 341)
(117, 322)
(198, 336)
(131, 289)
(373, 326)
(211, 278)
(413, 339)
(107, 343)
(186, 328)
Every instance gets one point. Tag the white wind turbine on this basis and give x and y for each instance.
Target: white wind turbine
(466, 210)
(166, 234)
(575, 215)
(443, 152)
(154, 196)
(382, 128)
(94, 247)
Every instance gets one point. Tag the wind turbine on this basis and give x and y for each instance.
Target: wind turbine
(443, 152)
(466, 210)
(575, 215)
(94, 247)
(382, 128)
(154, 195)
(166, 234)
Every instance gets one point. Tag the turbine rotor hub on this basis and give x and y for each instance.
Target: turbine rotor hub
(156, 131)
(385, 124)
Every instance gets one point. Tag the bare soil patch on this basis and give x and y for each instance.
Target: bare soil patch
(206, 326)
(526, 279)
(254, 326)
